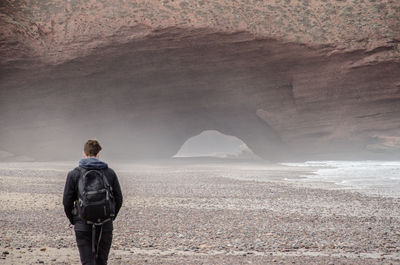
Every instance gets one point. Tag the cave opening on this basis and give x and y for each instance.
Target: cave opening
(144, 97)
(215, 144)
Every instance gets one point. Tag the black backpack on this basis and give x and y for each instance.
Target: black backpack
(95, 203)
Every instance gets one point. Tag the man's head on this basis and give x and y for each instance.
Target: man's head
(91, 148)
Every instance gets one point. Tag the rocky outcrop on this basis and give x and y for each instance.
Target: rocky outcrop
(292, 79)
(59, 30)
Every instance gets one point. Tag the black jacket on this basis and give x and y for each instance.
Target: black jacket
(71, 192)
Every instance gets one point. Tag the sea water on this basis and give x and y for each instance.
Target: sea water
(377, 177)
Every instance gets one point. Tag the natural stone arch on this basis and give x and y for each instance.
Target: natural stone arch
(145, 97)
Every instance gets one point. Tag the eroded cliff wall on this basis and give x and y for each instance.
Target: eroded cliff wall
(292, 79)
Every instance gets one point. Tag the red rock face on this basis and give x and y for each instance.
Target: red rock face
(293, 79)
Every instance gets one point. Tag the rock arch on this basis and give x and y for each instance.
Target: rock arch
(143, 98)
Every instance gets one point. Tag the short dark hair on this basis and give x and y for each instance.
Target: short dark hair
(91, 147)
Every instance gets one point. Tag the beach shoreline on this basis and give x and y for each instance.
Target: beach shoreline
(202, 214)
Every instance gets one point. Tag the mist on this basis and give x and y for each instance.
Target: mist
(238, 132)
(145, 99)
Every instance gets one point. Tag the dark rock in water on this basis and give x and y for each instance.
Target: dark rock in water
(286, 78)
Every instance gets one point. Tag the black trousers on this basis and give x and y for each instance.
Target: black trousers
(84, 243)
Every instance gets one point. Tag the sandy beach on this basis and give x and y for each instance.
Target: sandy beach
(202, 214)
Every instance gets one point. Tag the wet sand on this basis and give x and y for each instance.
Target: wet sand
(209, 214)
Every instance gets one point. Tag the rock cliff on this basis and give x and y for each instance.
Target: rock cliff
(292, 79)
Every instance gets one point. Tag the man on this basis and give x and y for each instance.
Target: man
(83, 231)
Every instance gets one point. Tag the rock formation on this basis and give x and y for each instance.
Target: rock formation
(294, 80)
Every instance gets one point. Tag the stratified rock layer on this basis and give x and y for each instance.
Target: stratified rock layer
(292, 79)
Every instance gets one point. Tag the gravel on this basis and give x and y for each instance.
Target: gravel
(202, 215)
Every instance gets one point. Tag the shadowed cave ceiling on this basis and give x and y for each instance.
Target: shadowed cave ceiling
(294, 80)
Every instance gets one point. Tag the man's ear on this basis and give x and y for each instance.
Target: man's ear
(84, 155)
(98, 154)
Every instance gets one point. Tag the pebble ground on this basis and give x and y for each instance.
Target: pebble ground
(202, 215)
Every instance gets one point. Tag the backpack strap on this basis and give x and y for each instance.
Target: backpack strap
(107, 184)
(81, 170)
(82, 173)
(93, 239)
(95, 249)
(104, 178)
(98, 242)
